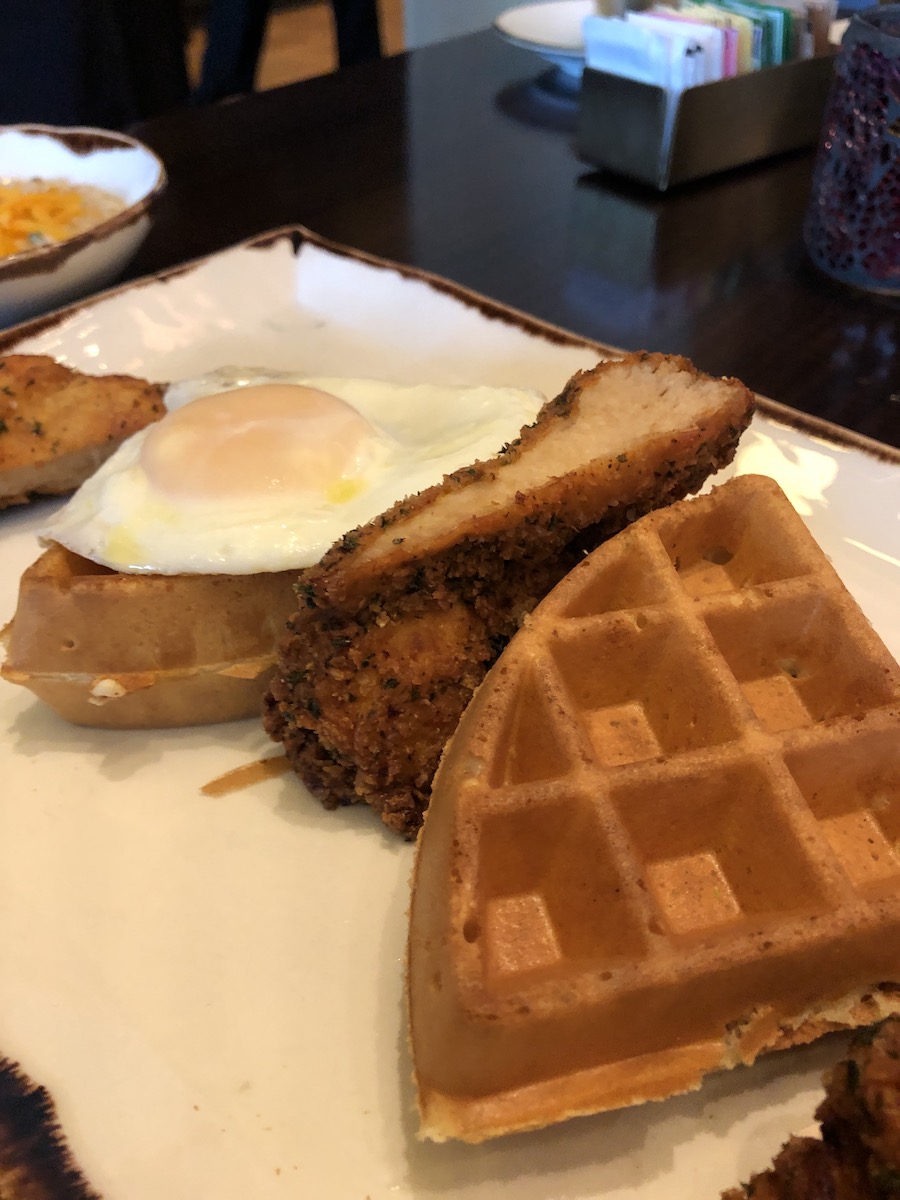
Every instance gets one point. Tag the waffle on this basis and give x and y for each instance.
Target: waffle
(131, 651)
(666, 834)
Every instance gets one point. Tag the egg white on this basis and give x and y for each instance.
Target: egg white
(422, 432)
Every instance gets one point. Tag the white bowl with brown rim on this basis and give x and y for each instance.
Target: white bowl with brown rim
(129, 177)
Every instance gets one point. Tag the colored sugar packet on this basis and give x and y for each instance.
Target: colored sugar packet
(721, 21)
(741, 28)
(705, 49)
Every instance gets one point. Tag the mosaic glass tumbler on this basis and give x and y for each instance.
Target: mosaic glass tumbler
(852, 226)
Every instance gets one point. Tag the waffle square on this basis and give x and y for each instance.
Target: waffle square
(666, 835)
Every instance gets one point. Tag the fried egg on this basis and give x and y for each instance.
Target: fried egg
(251, 471)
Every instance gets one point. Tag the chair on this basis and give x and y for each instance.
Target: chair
(235, 32)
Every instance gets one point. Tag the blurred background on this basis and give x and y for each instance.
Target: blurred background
(112, 63)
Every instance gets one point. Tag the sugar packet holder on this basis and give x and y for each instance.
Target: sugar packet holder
(663, 136)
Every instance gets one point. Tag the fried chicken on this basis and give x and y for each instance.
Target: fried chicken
(57, 425)
(402, 619)
(858, 1156)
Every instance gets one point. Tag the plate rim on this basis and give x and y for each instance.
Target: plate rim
(299, 235)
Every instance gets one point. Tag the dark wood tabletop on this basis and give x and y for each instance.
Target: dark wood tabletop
(460, 158)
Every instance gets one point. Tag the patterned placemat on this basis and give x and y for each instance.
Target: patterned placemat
(35, 1160)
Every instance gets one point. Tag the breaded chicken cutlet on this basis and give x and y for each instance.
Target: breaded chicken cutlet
(858, 1155)
(401, 620)
(58, 425)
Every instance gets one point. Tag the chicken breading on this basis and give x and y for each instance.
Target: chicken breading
(402, 619)
(858, 1155)
(860, 1114)
(57, 425)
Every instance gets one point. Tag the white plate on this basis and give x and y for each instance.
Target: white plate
(553, 30)
(212, 988)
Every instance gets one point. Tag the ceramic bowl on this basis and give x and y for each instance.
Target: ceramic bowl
(554, 30)
(45, 277)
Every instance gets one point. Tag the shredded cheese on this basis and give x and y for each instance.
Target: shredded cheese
(39, 212)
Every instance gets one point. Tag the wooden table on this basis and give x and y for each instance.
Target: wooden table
(460, 158)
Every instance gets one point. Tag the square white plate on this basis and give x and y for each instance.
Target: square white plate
(211, 989)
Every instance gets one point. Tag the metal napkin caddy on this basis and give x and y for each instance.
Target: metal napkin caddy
(624, 126)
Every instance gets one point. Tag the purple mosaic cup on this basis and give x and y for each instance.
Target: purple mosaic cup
(852, 226)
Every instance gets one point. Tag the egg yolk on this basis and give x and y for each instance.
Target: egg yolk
(258, 440)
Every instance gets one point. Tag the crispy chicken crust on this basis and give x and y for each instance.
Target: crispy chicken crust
(858, 1156)
(58, 425)
(402, 619)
